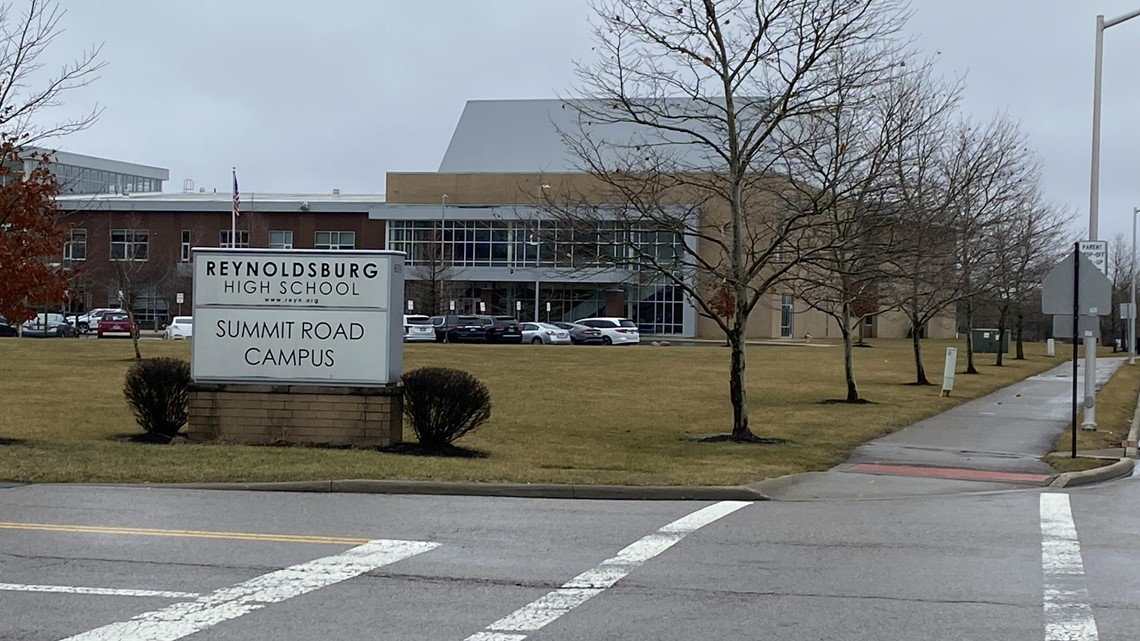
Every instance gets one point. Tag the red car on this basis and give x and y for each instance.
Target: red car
(114, 324)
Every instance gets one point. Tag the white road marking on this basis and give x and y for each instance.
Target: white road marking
(72, 589)
(592, 582)
(183, 619)
(1068, 615)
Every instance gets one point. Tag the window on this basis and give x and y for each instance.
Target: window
(185, 255)
(281, 239)
(786, 315)
(76, 246)
(335, 240)
(130, 244)
(242, 238)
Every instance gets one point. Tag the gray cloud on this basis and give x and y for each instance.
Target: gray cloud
(307, 96)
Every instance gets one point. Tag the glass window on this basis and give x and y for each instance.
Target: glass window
(130, 244)
(76, 246)
(786, 315)
(185, 254)
(281, 239)
(242, 238)
(335, 240)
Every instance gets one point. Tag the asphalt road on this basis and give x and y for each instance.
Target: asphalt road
(129, 563)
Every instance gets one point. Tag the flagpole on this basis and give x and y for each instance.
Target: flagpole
(234, 213)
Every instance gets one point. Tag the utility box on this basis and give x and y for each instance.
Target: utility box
(986, 341)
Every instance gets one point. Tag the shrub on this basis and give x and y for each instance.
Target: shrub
(443, 404)
(157, 389)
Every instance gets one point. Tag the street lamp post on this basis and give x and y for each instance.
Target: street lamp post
(534, 242)
(1132, 303)
(1094, 201)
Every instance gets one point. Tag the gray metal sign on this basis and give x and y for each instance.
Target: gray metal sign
(1095, 290)
(1063, 326)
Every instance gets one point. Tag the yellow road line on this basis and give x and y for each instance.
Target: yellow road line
(197, 534)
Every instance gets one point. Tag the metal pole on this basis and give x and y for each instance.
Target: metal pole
(1076, 325)
(1132, 320)
(1094, 180)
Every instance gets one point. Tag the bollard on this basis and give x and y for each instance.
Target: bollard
(948, 372)
(1050, 347)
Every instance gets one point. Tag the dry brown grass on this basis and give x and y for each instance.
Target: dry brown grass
(1115, 404)
(561, 414)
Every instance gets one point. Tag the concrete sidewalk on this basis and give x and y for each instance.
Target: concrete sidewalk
(989, 443)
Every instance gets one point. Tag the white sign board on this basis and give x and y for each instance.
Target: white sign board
(179, 298)
(1097, 252)
(320, 317)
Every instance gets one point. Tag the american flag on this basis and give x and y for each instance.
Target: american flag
(237, 198)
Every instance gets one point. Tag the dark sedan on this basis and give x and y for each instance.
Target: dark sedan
(582, 335)
(502, 329)
(6, 328)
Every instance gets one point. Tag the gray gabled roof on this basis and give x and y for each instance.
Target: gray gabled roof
(522, 136)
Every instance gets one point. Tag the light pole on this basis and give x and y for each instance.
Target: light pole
(1094, 182)
(1132, 304)
(1089, 422)
(534, 242)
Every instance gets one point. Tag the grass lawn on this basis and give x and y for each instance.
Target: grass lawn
(1115, 404)
(621, 415)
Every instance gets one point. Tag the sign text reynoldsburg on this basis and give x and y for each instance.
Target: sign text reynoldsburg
(300, 316)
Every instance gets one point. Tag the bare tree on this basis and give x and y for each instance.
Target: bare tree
(843, 171)
(678, 127)
(433, 274)
(26, 93)
(1026, 244)
(955, 186)
(1120, 269)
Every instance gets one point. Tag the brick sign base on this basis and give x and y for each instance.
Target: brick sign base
(296, 414)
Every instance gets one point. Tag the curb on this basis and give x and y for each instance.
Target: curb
(1120, 468)
(1130, 449)
(516, 490)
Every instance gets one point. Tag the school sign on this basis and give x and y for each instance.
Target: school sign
(297, 316)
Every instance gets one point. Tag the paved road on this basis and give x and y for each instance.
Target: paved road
(118, 563)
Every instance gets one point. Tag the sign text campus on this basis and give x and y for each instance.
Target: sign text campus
(297, 316)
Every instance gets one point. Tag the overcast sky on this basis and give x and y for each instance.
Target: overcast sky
(308, 96)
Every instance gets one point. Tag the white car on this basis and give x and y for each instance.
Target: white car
(417, 328)
(615, 330)
(544, 334)
(90, 321)
(180, 327)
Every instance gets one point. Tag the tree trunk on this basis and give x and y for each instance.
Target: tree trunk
(1018, 329)
(1002, 318)
(737, 392)
(916, 343)
(134, 332)
(970, 369)
(848, 356)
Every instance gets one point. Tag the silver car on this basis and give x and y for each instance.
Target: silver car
(544, 334)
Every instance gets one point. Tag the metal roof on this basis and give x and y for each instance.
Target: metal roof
(523, 136)
(221, 202)
(102, 164)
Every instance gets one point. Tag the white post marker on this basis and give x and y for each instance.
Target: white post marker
(948, 370)
(1088, 422)
(186, 618)
(1050, 347)
(538, 614)
(1068, 614)
(411, 305)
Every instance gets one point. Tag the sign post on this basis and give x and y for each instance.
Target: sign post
(1077, 292)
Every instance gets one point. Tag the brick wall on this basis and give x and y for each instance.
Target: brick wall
(296, 414)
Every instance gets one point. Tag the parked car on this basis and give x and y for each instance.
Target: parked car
(615, 330)
(544, 334)
(89, 321)
(459, 329)
(8, 329)
(418, 327)
(501, 329)
(582, 335)
(43, 325)
(114, 323)
(180, 327)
